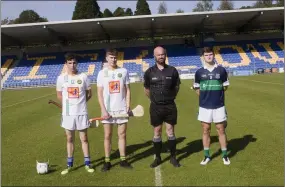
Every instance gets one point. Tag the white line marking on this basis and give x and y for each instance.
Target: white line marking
(262, 82)
(158, 178)
(27, 101)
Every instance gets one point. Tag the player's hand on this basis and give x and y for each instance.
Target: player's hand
(106, 115)
(128, 109)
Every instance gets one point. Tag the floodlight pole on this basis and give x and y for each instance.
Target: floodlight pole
(105, 32)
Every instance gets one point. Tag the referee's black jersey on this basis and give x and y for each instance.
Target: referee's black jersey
(162, 84)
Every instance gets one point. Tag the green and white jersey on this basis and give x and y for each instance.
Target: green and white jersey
(211, 84)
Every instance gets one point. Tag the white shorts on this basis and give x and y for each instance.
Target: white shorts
(116, 120)
(79, 122)
(212, 115)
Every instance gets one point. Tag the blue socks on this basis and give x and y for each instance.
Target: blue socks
(87, 161)
(70, 161)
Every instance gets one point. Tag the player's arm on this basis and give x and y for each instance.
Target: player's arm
(128, 96)
(146, 91)
(59, 96)
(147, 83)
(197, 90)
(88, 94)
(59, 89)
(88, 89)
(128, 91)
(100, 96)
(196, 85)
(225, 80)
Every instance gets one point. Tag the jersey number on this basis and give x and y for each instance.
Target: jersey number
(114, 87)
(73, 92)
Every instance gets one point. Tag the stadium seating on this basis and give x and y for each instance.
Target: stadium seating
(6, 62)
(250, 55)
(43, 69)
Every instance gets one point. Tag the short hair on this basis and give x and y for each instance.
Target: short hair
(69, 57)
(111, 52)
(207, 50)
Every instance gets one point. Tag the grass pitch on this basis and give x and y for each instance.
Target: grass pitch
(31, 131)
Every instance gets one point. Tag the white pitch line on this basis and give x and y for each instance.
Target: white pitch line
(158, 178)
(27, 101)
(262, 82)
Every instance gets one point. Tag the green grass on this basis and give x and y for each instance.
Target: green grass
(31, 131)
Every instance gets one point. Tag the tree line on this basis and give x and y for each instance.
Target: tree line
(89, 9)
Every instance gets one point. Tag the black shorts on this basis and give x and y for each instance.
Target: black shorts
(163, 113)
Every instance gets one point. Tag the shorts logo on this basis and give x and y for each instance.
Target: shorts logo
(120, 75)
(73, 92)
(79, 81)
(114, 87)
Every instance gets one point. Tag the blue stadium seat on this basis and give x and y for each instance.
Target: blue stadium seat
(242, 55)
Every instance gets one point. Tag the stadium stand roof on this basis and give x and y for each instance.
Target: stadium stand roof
(143, 26)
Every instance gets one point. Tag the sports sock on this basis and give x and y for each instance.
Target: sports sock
(87, 160)
(107, 159)
(172, 145)
(207, 152)
(224, 152)
(122, 158)
(69, 161)
(157, 144)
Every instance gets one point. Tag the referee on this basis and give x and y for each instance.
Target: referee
(161, 83)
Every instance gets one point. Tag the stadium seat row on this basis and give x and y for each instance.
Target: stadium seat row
(42, 70)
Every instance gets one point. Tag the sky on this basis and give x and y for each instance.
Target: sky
(63, 10)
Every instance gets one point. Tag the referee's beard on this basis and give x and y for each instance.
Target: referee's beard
(160, 62)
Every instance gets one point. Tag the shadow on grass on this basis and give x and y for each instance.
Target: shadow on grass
(193, 147)
(130, 150)
(52, 168)
(234, 146)
(131, 156)
(150, 151)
